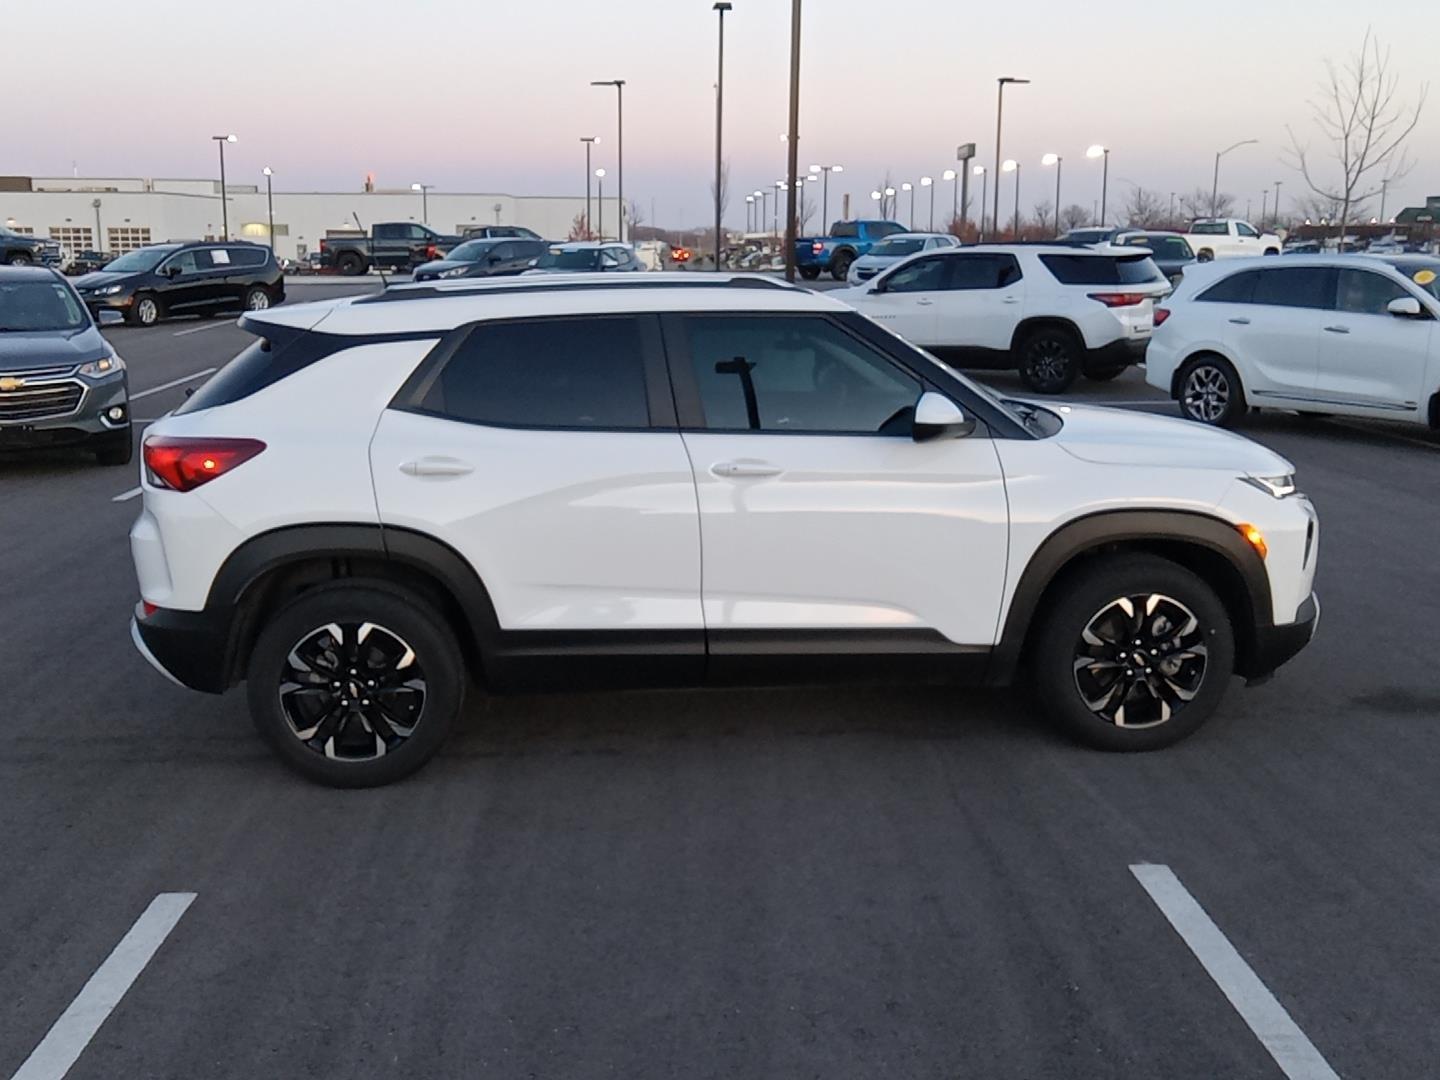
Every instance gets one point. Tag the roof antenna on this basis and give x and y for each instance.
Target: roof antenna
(370, 244)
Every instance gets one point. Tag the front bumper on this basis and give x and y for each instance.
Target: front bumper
(88, 422)
(187, 647)
(118, 302)
(1275, 645)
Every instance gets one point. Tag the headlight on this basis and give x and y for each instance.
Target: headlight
(456, 271)
(106, 290)
(1276, 486)
(106, 365)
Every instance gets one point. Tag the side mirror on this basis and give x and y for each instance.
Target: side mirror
(937, 417)
(878, 287)
(1404, 307)
(110, 317)
(173, 270)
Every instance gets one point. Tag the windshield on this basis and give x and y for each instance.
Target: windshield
(897, 246)
(584, 259)
(470, 251)
(39, 305)
(134, 261)
(1425, 274)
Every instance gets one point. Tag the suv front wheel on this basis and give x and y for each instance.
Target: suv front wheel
(356, 684)
(1210, 391)
(1050, 360)
(1134, 654)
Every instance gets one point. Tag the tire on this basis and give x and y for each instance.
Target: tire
(301, 723)
(19, 258)
(1211, 391)
(840, 265)
(1050, 360)
(145, 311)
(809, 273)
(1272, 251)
(1080, 655)
(1205, 255)
(257, 298)
(349, 264)
(1105, 374)
(117, 449)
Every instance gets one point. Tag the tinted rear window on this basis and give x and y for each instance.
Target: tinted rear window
(1300, 286)
(1102, 269)
(265, 361)
(845, 228)
(1235, 289)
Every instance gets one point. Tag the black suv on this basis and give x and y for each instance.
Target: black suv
(150, 283)
(61, 384)
(499, 232)
(483, 258)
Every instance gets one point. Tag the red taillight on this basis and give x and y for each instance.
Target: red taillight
(185, 464)
(1119, 299)
(430, 251)
(816, 248)
(323, 246)
(1161, 314)
(147, 608)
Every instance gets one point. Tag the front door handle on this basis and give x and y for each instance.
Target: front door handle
(437, 466)
(923, 302)
(1337, 329)
(1010, 300)
(1241, 321)
(744, 468)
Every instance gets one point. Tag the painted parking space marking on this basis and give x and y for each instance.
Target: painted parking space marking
(67, 1038)
(172, 384)
(201, 329)
(124, 495)
(1263, 1014)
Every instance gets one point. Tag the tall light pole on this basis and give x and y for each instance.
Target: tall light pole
(1215, 181)
(929, 181)
(1264, 200)
(95, 205)
(894, 210)
(619, 85)
(954, 178)
(1103, 152)
(999, 117)
(424, 190)
(589, 141)
(720, 8)
(600, 204)
(1171, 218)
(1058, 162)
(825, 171)
(780, 186)
(793, 164)
(907, 186)
(220, 141)
(1277, 204)
(749, 212)
(1384, 183)
(270, 205)
(762, 195)
(1011, 165)
(980, 171)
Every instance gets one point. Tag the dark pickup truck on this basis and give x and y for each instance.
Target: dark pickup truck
(18, 249)
(391, 245)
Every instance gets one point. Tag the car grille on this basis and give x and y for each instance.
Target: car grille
(41, 401)
(865, 275)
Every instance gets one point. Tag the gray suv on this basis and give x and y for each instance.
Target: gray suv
(61, 384)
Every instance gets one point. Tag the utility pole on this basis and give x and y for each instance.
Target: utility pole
(720, 8)
(794, 140)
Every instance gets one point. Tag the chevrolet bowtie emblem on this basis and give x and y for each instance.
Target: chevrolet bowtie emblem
(7, 383)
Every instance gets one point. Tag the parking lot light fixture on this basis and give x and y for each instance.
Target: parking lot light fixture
(1102, 152)
(984, 174)
(1003, 81)
(720, 8)
(824, 171)
(1215, 180)
(890, 199)
(954, 178)
(270, 204)
(589, 141)
(424, 190)
(1011, 165)
(619, 85)
(1058, 162)
(907, 186)
(929, 181)
(220, 141)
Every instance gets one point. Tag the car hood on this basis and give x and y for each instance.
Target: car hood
(25, 349)
(881, 260)
(1125, 437)
(436, 266)
(100, 277)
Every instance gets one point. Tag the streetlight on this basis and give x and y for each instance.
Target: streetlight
(907, 186)
(1264, 200)
(954, 178)
(270, 205)
(775, 218)
(220, 141)
(792, 162)
(1215, 182)
(890, 200)
(749, 213)
(619, 85)
(1384, 183)
(589, 141)
(1059, 163)
(600, 204)
(929, 181)
(980, 171)
(424, 190)
(1102, 152)
(999, 116)
(825, 171)
(719, 8)
(762, 196)
(1011, 165)
(1277, 204)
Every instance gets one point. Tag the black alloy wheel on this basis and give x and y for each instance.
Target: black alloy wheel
(1140, 660)
(1049, 360)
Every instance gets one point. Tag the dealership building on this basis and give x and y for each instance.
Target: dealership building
(118, 214)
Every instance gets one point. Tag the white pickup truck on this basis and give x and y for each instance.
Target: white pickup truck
(1225, 238)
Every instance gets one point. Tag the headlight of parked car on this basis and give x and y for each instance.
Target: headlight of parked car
(106, 290)
(1277, 486)
(105, 366)
(455, 271)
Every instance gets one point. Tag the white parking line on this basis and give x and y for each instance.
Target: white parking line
(202, 329)
(69, 1036)
(1278, 1033)
(125, 495)
(171, 384)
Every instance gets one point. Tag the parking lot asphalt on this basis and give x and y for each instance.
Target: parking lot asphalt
(798, 883)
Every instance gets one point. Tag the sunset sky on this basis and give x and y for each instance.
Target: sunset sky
(493, 95)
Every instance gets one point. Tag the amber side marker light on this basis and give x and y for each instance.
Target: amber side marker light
(1255, 538)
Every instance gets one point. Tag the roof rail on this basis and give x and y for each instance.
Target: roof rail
(511, 287)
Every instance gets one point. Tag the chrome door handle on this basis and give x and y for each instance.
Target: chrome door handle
(1242, 321)
(1337, 329)
(744, 468)
(1010, 300)
(923, 303)
(437, 466)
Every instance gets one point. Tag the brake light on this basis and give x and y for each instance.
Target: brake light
(147, 608)
(183, 464)
(324, 247)
(816, 248)
(1161, 314)
(1119, 299)
(430, 251)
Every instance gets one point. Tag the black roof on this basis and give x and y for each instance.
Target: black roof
(28, 273)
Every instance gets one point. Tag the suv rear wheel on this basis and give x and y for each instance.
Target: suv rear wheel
(1050, 360)
(1134, 654)
(1210, 391)
(145, 311)
(356, 684)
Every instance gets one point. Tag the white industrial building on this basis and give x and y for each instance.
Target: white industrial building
(117, 214)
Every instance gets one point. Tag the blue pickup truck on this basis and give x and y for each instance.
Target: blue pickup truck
(848, 240)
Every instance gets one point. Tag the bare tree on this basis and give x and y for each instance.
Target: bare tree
(633, 213)
(1074, 216)
(724, 188)
(1043, 213)
(578, 231)
(1359, 115)
(1145, 209)
(1197, 204)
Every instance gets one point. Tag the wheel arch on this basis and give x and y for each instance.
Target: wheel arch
(1196, 353)
(846, 250)
(1028, 326)
(1209, 547)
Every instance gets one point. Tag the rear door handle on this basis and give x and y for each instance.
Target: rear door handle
(1010, 300)
(1337, 329)
(437, 466)
(744, 468)
(1242, 321)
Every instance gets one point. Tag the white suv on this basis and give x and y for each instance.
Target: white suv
(683, 479)
(1050, 311)
(1317, 334)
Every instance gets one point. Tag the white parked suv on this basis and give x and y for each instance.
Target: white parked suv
(1316, 334)
(1050, 311)
(683, 479)
(892, 249)
(1225, 238)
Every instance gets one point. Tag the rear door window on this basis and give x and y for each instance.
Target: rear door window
(1296, 287)
(982, 271)
(246, 256)
(1235, 289)
(1209, 228)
